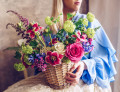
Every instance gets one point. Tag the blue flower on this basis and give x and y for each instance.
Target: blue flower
(31, 59)
(87, 47)
(38, 56)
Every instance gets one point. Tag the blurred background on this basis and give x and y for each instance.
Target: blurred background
(106, 11)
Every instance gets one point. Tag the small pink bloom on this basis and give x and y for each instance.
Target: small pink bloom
(37, 27)
(54, 40)
(29, 31)
(90, 41)
(82, 37)
(79, 37)
(41, 28)
(53, 58)
(32, 34)
(74, 52)
(74, 36)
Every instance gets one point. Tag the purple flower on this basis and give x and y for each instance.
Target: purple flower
(40, 55)
(87, 47)
(31, 59)
(39, 61)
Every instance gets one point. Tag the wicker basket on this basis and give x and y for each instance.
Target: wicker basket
(55, 75)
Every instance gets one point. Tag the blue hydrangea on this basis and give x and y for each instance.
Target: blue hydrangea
(87, 47)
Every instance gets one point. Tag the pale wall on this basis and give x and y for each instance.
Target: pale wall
(35, 10)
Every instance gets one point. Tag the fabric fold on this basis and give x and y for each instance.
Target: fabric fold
(100, 63)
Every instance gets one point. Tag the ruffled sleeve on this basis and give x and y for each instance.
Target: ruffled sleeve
(100, 64)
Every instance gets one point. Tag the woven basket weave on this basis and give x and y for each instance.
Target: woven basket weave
(55, 75)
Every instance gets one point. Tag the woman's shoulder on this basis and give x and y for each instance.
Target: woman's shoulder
(81, 15)
(78, 16)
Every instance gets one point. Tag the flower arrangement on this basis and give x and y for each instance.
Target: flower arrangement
(69, 44)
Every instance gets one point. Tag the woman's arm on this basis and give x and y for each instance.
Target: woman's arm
(100, 65)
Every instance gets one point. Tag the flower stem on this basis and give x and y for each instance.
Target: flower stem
(50, 39)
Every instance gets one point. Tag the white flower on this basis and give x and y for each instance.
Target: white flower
(59, 47)
(20, 41)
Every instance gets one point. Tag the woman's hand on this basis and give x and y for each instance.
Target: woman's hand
(73, 78)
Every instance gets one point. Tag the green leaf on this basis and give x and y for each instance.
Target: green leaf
(36, 51)
(97, 28)
(26, 60)
(20, 25)
(17, 55)
(55, 21)
(51, 18)
(33, 43)
(69, 34)
(29, 27)
(70, 40)
(13, 48)
(61, 14)
(66, 60)
(38, 24)
(33, 22)
(69, 16)
(86, 53)
(79, 22)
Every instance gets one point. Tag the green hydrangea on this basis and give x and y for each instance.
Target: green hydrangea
(85, 21)
(26, 60)
(90, 17)
(90, 32)
(69, 26)
(19, 67)
(48, 21)
(27, 49)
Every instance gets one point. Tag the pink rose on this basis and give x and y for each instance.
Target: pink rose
(53, 58)
(74, 52)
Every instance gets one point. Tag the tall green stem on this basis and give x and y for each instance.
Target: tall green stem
(50, 39)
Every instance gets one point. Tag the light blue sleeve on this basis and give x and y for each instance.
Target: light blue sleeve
(100, 64)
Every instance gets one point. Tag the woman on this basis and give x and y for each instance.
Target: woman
(97, 68)
(98, 65)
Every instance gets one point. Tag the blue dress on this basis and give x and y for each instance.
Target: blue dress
(100, 61)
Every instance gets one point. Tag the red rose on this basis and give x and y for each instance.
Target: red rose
(74, 52)
(53, 58)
